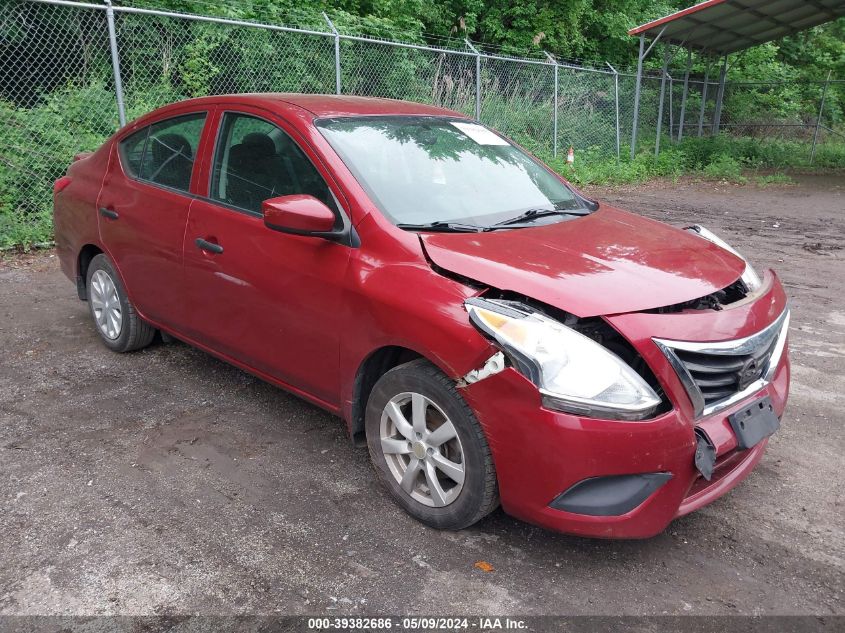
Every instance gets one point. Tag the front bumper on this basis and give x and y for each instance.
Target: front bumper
(540, 453)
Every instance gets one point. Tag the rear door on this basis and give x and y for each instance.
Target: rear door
(268, 299)
(143, 208)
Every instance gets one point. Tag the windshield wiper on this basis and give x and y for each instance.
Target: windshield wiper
(460, 227)
(444, 227)
(533, 214)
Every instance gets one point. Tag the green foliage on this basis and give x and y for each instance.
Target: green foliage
(830, 155)
(724, 167)
(577, 29)
(198, 68)
(59, 100)
(38, 145)
(594, 168)
(717, 158)
(773, 179)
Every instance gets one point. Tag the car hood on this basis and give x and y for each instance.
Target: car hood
(608, 262)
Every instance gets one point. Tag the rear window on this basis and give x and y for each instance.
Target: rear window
(132, 151)
(164, 152)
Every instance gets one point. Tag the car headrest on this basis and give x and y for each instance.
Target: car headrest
(260, 145)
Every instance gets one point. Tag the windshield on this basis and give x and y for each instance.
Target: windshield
(424, 170)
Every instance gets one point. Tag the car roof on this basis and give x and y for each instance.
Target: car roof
(319, 105)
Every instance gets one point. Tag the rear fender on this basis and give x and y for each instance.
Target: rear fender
(75, 221)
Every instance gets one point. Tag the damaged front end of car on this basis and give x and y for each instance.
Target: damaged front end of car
(572, 370)
(635, 430)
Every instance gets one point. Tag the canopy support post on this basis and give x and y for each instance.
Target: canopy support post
(704, 96)
(637, 97)
(819, 119)
(663, 73)
(643, 54)
(720, 95)
(684, 96)
(671, 94)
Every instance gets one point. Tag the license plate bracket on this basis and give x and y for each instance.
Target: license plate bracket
(754, 422)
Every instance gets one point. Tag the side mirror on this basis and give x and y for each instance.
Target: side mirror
(300, 215)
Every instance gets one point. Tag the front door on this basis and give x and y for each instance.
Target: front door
(268, 299)
(143, 208)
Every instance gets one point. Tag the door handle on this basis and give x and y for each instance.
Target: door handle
(210, 247)
(111, 214)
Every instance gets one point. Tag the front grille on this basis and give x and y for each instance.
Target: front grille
(715, 375)
(719, 376)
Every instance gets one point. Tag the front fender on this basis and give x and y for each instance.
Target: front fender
(408, 305)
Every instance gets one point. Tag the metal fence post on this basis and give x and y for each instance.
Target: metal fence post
(336, 53)
(115, 63)
(554, 106)
(477, 79)
(616, 101)
(819, 118)
(663, 74)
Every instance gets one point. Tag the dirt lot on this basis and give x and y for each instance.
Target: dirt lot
(168, 482)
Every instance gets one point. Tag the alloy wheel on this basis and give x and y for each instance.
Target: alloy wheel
(422, 449)
(105, 305)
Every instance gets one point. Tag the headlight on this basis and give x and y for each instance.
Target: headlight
(573, 372)
(749, 276)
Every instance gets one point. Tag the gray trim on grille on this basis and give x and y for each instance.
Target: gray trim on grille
(776, 330)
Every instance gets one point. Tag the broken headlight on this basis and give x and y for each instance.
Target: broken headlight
(749, 276)
(573, 373)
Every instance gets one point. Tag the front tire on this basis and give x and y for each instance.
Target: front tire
(428, 449)
(115, 319)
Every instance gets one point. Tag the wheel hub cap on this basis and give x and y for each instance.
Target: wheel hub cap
(422, 449)
(419, 450)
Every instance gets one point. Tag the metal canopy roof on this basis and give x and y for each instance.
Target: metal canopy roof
(727, 26)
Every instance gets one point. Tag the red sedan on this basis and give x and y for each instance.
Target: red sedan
(494, 336)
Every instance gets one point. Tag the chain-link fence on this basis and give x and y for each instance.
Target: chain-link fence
(58, 98)
(809, 114)
(71, 72)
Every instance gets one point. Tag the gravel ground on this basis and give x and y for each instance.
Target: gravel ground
(167, 482)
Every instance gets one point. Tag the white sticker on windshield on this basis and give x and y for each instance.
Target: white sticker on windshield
(479, 133)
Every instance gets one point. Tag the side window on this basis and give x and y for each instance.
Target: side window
(256, 160)
(164, 152)
(132, 151)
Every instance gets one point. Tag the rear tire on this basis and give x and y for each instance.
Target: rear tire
(115, 319)
(428, 449)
